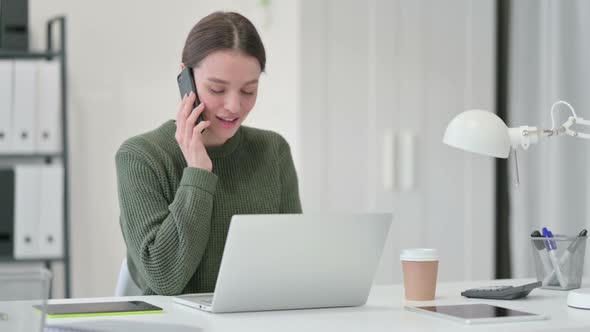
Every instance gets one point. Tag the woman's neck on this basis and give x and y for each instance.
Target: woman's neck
(210, 140)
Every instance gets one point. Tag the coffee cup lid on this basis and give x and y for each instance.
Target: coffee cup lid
(419, 255)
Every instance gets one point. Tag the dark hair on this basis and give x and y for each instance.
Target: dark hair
(222, 31)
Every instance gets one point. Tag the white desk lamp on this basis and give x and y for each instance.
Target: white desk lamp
(485, 133)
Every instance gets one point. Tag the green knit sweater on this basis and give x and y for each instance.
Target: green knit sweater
(175, 218)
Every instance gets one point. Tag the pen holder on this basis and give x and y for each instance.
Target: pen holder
(559, 261)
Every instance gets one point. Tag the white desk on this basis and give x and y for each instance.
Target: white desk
(383, 312)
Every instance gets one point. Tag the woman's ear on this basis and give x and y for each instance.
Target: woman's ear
(182, 66)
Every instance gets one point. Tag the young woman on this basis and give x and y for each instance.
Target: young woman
(180, 184)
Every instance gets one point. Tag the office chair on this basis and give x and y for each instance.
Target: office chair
(125, 285)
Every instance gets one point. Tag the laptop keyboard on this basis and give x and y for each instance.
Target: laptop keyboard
(207, 300)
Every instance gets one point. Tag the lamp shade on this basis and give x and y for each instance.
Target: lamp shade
(480, 132)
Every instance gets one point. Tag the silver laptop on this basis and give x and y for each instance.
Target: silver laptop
(277, 262)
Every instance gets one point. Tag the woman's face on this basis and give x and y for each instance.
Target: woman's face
(227, 82)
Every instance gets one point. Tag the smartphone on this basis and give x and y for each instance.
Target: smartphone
(186, 84)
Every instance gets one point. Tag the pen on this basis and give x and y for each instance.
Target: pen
(551, 246)
(539, 245)
(564, 258)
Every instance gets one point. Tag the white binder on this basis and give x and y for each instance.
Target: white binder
(52, 212)
(25, 105)
(6, 94)
(48, 128)
(27, 199)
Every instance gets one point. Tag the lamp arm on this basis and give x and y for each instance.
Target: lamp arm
(524, 136)
(572, 122)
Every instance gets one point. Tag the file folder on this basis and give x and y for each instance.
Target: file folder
(26, 211)
(51, 212)
(25, 105)
(6, 99)
(48, 128)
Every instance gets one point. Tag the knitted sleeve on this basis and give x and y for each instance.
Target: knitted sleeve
(166, 240)
(290, 202)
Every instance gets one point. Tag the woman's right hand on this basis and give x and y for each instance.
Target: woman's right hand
(189, 134)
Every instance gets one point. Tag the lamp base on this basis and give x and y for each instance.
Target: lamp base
(579, 298)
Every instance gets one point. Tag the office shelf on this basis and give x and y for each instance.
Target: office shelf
(50, 53)
(5, 259)
(28, 55)
(32, 155)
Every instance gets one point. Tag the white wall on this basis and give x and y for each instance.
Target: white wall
(123, 58)
(339, 74)
(382, 70)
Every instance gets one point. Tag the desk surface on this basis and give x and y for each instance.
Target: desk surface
(383, 312)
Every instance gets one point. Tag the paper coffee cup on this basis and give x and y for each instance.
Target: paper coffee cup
(420, 268)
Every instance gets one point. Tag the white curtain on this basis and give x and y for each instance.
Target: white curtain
(549, 61)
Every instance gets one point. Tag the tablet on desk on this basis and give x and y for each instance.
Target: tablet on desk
(477, 313)
(70, 310)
